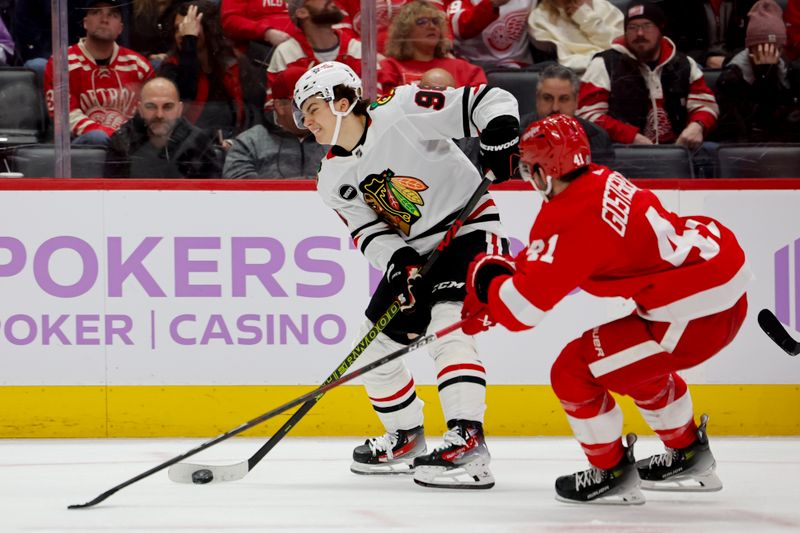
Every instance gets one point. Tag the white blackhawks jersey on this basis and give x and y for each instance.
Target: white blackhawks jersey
(407, 181)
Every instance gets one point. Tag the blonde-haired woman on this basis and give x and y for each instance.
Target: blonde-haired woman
(578, 28)
(417, 43)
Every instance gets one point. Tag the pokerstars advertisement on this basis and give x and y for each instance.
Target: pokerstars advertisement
(187, 287)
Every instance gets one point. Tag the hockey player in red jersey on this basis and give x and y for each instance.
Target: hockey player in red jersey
(397, 180)
(687, 277)
(104, 78)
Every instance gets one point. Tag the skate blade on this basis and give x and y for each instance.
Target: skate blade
(631, 497)
(706, 482)
(475, 475)
(382, 469)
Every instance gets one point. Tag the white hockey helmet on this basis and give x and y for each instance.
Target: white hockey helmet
(320, 81)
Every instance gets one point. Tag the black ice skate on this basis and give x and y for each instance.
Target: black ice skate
(392, 453)
(462, 462)
(689, 469)
(618, 485)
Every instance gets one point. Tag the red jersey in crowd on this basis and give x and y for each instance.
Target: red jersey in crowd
(610, 238)
(248, 20)
(792, 18)
(394, 72)
(486, 34)
(297, 51)
(101, 97)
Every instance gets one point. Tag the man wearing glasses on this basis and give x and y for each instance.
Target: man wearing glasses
(643, 90)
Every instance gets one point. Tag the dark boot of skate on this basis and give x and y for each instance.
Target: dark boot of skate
(618, 485)
(690, 469)
(391, 453)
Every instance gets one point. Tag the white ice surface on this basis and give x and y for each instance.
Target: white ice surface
(305, 484)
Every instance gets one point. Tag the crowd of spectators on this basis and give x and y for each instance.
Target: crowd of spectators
(202, 88)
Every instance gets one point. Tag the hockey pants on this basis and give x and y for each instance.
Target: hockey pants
(640, 359)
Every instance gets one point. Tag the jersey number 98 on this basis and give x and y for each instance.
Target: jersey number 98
(429, 99)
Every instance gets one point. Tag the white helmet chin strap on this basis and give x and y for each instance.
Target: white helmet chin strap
(547, 190)
(339, 116)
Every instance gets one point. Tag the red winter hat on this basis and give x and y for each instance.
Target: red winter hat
(766, 24)
(283, 85)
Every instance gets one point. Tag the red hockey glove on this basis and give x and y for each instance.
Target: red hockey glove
(482, 271)
(476, 314)
(403, 277)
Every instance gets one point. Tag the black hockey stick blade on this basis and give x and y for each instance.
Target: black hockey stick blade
(775, 331)
(202, 474)
(419, 343)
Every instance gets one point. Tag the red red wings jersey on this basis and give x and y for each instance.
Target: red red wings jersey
(485, 34)
(101, 97)
(610, 238)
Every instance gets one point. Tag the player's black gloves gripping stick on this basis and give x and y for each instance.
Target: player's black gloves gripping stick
(403, 276)
(500, 147)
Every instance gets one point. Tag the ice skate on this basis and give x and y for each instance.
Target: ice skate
(689, 469)
(462, 462)
(616, 486)
(391, 453)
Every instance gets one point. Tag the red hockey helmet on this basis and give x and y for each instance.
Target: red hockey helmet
(557, 144)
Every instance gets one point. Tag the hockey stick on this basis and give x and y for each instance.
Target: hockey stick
(192, 473)
(278, 410)
(775, 331)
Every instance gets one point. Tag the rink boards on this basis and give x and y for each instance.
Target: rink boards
(185, 308)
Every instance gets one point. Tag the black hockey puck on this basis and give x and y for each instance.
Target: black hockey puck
(201, 477)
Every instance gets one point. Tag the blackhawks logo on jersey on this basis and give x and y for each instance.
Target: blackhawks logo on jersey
(394, 198)
(382, 100)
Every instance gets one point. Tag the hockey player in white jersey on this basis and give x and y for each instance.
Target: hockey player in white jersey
(398, 181)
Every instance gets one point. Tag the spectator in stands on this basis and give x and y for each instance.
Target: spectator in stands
(33, 30)
(317, 41)
(151, 28)
(708, 31)
(277, 148)
(437, 79)
(210, 78)
(159, 143)
(417, 43)
(792, 18)
(385, 10)
(557, 93)
(491, 33)
(578, 28)
(257, 21)
(104, 78)
(643, 90)
(756, 94)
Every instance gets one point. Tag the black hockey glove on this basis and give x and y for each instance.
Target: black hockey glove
(500, 147)
(404, 278)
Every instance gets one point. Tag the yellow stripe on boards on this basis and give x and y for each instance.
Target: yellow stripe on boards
(53, 412)
(206, 411)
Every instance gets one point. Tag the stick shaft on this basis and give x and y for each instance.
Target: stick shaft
(332, 381)
(419, 343)
(375, 330)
